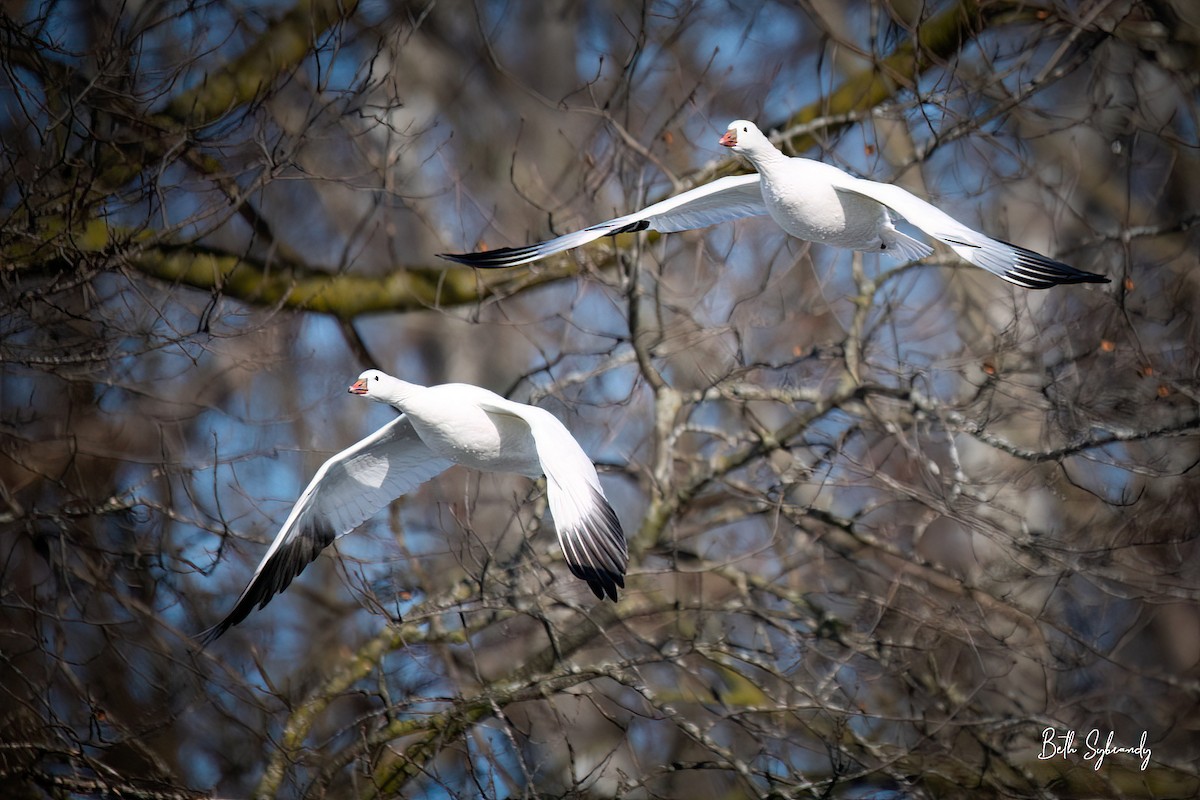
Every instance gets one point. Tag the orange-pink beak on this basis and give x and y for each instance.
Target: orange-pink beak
(729, 139)
(358, 387)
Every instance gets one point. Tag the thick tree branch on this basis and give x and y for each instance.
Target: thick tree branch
(344, 295)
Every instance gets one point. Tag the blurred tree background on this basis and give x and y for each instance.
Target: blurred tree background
(889, 523)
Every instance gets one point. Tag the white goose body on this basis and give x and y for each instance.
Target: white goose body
(440, 426)
(813, 201)
(820, 213)
(451, 421)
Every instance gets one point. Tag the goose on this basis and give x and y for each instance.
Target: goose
(813, 201)
(439, 426)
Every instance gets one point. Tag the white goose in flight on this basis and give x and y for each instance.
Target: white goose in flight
(441, 426)
(812, 201)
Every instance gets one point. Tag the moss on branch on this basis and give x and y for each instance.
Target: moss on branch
(344, 295)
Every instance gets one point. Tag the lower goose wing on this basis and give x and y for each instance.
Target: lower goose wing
(721, 200)
(589, 532)
(348, 488)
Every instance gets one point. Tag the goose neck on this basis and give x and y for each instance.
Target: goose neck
(766, 158)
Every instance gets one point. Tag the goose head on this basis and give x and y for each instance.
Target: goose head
(743, 136)
(375, 385)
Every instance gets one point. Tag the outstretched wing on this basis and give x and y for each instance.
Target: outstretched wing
(1011, 262)
(348, 488)
(589, 532)
(721, 200)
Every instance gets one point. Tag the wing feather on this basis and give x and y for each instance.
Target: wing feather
(721, 200)
(589, 531)
(1012, 263)
(348, 488)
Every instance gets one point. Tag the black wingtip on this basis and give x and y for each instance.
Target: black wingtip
(1036, 271)
(603, 583)
(240, 611)
(274, 576)
(207, 637)
(605, 552)
(489, 259)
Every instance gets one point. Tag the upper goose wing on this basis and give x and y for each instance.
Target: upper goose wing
(721, 200)
(1011, 262)
(348, 488)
